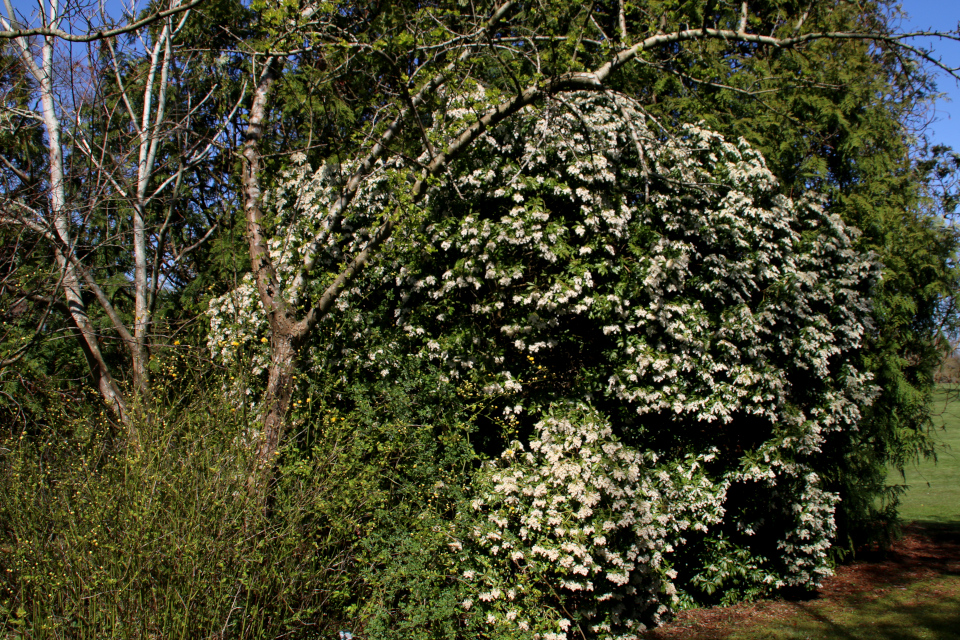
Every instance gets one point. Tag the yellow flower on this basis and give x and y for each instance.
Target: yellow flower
(176, 343)
(235, 343)
(264, 340)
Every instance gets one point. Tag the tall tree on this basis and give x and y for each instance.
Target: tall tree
(123, 141)
(526, 54)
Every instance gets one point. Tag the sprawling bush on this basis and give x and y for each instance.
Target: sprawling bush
(583, 254)
(102, 539)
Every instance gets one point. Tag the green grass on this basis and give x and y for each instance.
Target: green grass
(922, 610)
(933, 493)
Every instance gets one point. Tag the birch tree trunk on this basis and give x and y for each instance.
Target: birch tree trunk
(133, 181)
(58, 223)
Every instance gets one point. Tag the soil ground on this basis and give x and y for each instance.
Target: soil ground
(911, 591)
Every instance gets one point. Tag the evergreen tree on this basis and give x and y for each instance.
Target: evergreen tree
(841, 119)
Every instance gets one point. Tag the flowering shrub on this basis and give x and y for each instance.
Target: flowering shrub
(579, 526)
(581, 252)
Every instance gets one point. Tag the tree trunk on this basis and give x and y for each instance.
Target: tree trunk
(104, 382)
(107, 386)
(283, 363)
(287, 333)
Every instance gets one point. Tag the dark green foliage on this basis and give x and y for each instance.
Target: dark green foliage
(101, 540)
(839, 118)
(412, 430)
(725, 573)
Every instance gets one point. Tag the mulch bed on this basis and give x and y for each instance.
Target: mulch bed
(925, 551)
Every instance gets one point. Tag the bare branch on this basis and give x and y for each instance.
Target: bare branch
(11, 34)
(60, 248)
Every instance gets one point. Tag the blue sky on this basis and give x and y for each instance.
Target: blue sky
(936, 15)
(940, 15)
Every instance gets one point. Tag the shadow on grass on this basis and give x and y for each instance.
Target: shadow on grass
(910, 593)
(927, 610)
(944, 528)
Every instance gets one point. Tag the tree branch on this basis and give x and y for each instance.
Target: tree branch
(11, 34)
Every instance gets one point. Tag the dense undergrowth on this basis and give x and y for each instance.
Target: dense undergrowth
(101, 538)
(380, 520)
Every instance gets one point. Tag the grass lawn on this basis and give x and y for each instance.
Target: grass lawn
(933, 493)
(925, 609)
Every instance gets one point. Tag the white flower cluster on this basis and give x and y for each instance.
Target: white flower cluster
(309, 229)
(795, 499)
(806, 545)
(588, 519)
(710, 285)
(235, 321)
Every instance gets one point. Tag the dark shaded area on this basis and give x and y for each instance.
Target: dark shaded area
(927, 549)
